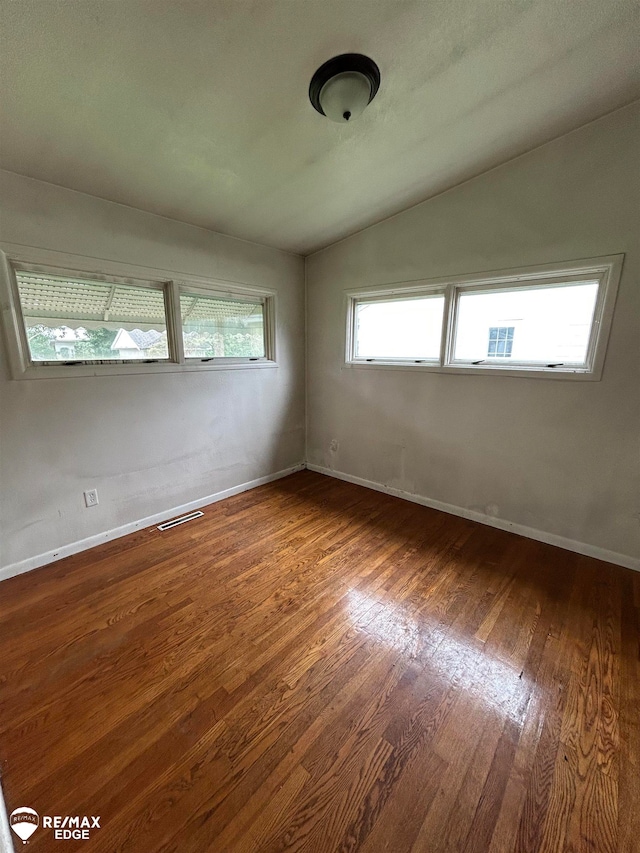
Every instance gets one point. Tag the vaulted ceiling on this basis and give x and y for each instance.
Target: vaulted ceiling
(198, 110)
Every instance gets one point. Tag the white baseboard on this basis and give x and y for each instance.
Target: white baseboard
(91, 541)
(529, 532)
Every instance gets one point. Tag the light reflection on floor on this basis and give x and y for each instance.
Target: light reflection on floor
(443, 651)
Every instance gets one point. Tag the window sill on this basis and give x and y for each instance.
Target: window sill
(579, 374)
(69, 371)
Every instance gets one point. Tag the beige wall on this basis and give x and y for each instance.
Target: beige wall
(147, 442)
(559, 457)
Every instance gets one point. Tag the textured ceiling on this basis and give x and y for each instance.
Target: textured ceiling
(199, 110)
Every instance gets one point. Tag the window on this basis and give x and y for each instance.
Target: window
(549, 320)
(404, 328)
(554, 323)
(71, 319)
(500, 341)
(64, 322)
(214, 327)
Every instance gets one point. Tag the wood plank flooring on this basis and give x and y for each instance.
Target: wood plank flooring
(313, 666)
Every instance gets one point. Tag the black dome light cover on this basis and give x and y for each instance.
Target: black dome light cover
(338, 65)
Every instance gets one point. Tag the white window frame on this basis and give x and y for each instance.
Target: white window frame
(605, 270)
(214, 291)
(402, 294)
(47, 262)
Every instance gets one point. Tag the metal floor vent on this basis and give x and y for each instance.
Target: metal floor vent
(188, 517)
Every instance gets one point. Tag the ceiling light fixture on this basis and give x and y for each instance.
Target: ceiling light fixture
(342, 87)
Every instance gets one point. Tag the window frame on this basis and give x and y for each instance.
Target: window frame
(403, 294)
(47, 262)
(214, 292)
(75, 274)
(606, 270)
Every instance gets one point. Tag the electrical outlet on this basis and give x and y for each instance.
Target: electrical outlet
(91, 497)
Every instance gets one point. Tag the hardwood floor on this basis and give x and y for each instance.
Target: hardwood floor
(314, 666)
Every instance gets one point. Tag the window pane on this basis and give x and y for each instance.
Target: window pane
(400, 328)
(214, 327)
(500, 342)
(529, 325)
(72, 319)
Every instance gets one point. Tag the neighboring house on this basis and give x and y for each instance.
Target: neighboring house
(65, 342)
(134, 343)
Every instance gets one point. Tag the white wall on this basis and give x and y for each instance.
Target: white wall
(147, 442)
(560, 457)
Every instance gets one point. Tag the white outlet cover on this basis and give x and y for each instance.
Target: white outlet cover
(91, 497)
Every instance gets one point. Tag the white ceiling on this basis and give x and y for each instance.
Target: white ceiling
(198, 110)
